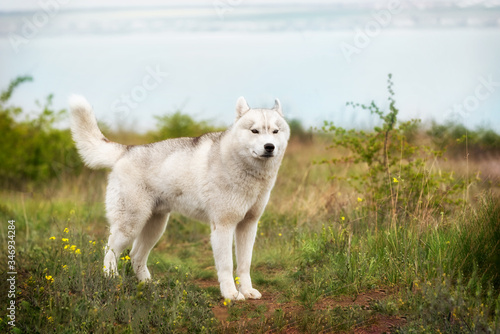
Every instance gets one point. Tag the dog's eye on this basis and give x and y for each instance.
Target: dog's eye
(254, 131)
(276, 131)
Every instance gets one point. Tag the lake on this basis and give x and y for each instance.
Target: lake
(134, 64)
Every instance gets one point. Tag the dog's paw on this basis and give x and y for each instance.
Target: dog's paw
(252, 294)
(234, 295)
(239, 296)
(143, 275)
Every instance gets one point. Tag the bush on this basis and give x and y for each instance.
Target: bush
(298, 132)
(180, 125)
(458, 140)
(32, 150)
(399, 180)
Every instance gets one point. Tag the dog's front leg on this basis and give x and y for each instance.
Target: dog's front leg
(245, 238)
(222, 246)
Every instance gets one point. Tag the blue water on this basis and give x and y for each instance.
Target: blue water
(437, 63)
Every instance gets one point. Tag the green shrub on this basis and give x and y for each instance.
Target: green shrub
(399, 180)
(180, 125)
(33, 150)
(459, 140)
(298, 132)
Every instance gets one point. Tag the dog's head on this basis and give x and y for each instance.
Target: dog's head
(262, 133)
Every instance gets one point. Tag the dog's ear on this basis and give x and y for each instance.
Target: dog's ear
(277, 107)
(241, 107)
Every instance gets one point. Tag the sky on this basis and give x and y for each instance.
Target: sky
(137, 59)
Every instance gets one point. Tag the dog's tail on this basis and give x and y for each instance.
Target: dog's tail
(96, 150)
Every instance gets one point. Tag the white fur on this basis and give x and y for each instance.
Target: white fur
(96, 150)
(223, 178)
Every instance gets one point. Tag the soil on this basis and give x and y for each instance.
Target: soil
(378, 324)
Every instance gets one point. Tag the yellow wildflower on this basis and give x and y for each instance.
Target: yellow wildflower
(52, 238)
(360, 199)
(395, 180)
(65, 239)
(78, 251)
(66, 230)
(49, 278)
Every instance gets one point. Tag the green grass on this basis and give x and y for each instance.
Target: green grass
(440, 277)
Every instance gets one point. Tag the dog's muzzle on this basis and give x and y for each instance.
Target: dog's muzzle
(269, 149)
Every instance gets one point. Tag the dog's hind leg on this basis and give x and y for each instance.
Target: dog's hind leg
(117, 242)
(149, 236)
(127, 218)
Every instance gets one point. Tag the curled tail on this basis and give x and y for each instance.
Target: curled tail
(96, 150)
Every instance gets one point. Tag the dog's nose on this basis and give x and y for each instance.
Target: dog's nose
(269, 147)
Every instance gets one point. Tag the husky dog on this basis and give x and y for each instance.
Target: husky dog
(223, 178)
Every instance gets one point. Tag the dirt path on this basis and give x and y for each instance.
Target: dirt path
(269, 303)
